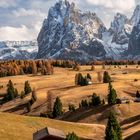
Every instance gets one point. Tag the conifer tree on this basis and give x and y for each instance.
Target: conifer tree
(106, 77)
(34, 67)
(113, 125)
(112, 96)
(16, 93)
(112, 135)
(57, 109)
(27, 88)
(137, 94)
(22, 94)
(11, 92)
(89, 76)
(72, 136)
(96, 100)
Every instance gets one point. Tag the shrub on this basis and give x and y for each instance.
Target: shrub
(72, 107)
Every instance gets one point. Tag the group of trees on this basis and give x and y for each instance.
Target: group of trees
(63, 63)
(81, 80)
(110, 62)
(84, 80)
(95, 101)
(21, 67)
(113, 130)
(12, 92)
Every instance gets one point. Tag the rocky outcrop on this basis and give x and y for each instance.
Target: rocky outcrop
(134, 41)
(67, 31)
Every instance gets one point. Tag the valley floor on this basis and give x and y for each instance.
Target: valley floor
(62, 84)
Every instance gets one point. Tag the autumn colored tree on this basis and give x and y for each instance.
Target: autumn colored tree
(99, 77)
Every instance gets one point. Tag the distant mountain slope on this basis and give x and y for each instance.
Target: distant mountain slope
(18, 50)
(134, 42)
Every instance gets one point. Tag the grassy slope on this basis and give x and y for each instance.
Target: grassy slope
(127, 114)
(15, 127)
(62, 84)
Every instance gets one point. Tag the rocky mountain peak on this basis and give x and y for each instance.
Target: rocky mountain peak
(119, 22)
(136, 15)
(134, 41)
(67, 28)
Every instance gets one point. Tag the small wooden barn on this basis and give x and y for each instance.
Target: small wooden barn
(49, 134)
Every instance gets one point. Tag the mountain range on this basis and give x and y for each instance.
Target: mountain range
(18, 50)
(69, 33)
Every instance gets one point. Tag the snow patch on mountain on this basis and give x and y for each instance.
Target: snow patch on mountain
(18, 50)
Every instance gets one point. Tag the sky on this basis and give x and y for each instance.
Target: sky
(22, 19)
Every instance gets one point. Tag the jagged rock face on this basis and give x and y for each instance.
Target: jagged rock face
(120, 28)
(134, 42)
(67, 31)
(136, 15)
(18, 50)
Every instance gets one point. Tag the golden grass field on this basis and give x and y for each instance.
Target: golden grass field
(62, 84)
(15, 127)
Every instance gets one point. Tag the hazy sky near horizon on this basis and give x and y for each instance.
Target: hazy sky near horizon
(22, 19)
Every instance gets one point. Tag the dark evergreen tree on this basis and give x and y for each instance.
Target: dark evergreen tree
(71, 107)
(57, 109)
(106, 77)
(11, 92)
(27, 88)
(22, 95)
(72, 136)
(80, 80)
(103, 102)
(112, 96)
(112, 135)
(137, 94)
(112, 128)
(89, 76)
(84, 104)
(96, 100)
(16, 93)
